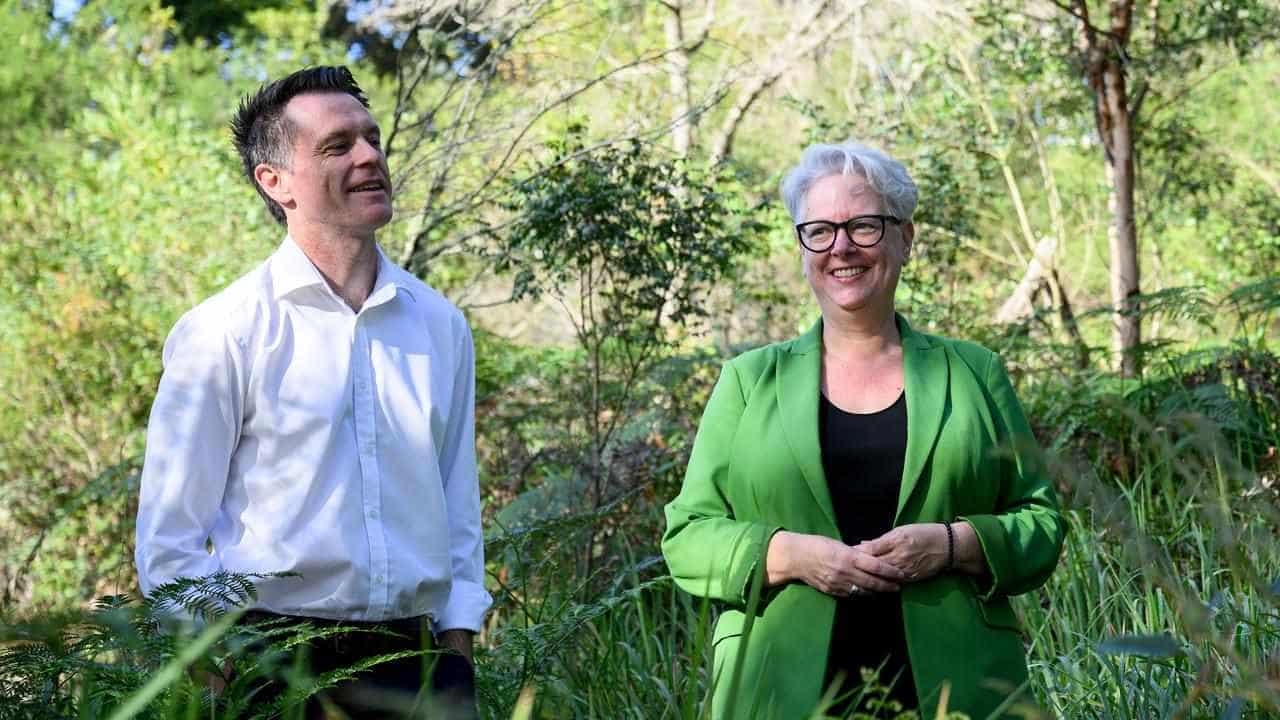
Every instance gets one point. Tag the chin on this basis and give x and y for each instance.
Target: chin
(851, 304)
(857, 306)
(375, 220)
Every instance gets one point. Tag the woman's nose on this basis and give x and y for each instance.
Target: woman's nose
(842, 243)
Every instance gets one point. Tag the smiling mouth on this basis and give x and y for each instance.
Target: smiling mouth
(848, 272)
(371, 186)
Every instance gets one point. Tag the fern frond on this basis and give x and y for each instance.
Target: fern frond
(204, 598)
(1255, 299)
(1187, 302)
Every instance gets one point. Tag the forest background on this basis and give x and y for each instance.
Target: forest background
(595, 184)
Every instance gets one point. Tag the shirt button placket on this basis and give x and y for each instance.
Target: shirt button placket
(371, 484)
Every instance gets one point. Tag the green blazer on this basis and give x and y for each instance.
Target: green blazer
(756, 468)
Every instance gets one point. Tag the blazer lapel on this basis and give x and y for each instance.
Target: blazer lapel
(798, 383)
(927, 379)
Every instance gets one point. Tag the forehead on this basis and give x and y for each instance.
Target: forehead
(833, 193)
(317, 115)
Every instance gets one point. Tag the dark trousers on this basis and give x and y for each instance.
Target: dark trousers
(434, 685)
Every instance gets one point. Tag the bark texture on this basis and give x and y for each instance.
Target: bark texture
(1106, 53)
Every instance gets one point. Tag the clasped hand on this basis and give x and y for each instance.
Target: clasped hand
(910, 553)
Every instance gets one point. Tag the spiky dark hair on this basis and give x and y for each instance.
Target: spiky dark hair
(262, 133)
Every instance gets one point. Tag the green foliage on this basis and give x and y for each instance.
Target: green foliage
(121, 206)
(1233, 387)
(639, 239)
(220, 19)
(628, 245)
(1164, 604)
(535, 444)
(89, 666)
(96, 265)
(1201, 210)
(127, 659)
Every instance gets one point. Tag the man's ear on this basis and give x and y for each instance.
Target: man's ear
(275, 184)
(908, 239)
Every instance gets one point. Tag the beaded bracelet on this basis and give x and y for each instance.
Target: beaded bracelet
(951, 546)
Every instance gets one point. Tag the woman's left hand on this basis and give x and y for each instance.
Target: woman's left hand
(919, 549)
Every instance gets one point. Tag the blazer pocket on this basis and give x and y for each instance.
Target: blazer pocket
(724, 647)
(728, 626)
(998, 613)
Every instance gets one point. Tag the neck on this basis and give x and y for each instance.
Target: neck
(860, 334)
(348, 263)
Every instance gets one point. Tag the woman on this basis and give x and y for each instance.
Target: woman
(875, 482)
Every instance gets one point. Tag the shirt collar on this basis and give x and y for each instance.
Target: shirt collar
(292, 270)
(391, 280)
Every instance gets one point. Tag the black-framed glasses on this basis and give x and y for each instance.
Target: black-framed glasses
(863, 230)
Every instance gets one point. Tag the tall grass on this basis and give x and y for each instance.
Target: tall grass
(1167, 600)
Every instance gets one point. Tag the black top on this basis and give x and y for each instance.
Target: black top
(863, 456)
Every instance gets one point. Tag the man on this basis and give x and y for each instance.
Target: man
(317, 415)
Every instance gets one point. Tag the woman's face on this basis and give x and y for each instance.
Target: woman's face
(848, 278)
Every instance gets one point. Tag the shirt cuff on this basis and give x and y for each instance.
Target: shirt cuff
(755, 551)
(468, 602)
(991, 539)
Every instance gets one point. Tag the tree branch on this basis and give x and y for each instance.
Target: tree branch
(787, 53)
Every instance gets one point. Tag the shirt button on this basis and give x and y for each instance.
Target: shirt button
(377, 578)
(373, 514)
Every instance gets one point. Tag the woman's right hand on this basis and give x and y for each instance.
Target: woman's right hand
(828, 566)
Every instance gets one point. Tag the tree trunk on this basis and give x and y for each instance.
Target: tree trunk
(678, 78)
(1021, 303)
(1126, 332)
(1107, 54)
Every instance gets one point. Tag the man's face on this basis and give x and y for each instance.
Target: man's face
(338, 177)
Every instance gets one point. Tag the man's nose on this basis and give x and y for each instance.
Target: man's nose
(366, 152)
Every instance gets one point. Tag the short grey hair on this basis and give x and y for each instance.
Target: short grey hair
(886, 176)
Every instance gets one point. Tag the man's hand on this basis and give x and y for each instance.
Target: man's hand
(457, 640)
(215, 680)
(828, 565)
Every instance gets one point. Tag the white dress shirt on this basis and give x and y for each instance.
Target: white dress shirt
(295, 434)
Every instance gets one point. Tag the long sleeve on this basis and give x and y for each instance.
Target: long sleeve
(468, 599)
(328, 450)
(193, 430)
(1022, 540)
(711, 552)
